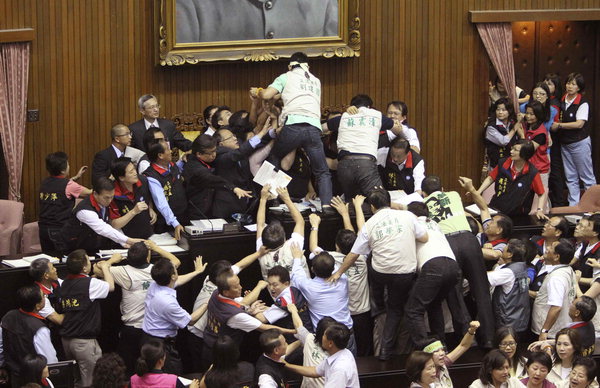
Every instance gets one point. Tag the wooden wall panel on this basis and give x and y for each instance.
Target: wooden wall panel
(92, 59)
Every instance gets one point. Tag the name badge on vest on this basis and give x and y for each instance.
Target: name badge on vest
(520, 184)
(571, 114)
(408, 178)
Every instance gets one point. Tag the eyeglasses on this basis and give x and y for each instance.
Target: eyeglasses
(507, 344)
(152, 107)
(124, 134)
(230, 137)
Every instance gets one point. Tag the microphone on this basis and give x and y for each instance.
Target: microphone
(203, 215)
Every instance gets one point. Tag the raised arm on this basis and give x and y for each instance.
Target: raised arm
(108, 278)
(342, 209)
(296, 320)
(487, 182)
(197, 314)
(466, 342)
(467, 184)
(349, 260)
(308, 371)
(294, 212)
(251, 258)
(265, 195)
(358, 211)
(252, 296)
(199, 267)
(154, 247)
(313, 238)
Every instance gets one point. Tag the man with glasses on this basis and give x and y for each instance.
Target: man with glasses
(120, 146)
(555, 228)
(150, 109)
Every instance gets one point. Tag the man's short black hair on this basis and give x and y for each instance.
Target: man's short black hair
(299, 57)
(595, 220)
(217, 116)
(323, 264)
(217, 268)
(517, 248)
(379, 198)
(118, 167)
(323, 324)
(222, 281)
(273, 235)
(562, 226)
(431, 184)
(76, 261)
(587, 308)
(400, 143)
(206, 113)
(506, 223)
(269, 340)
(28, 297)
(419, 209)
(38, 268)
(161, 271)
(148, 138)
(102, 184)
(56, 163)
(155, 150)
(279, 271)
(400, 105)
(361, 100)
(203, 143)
(339, 334)
(527, 149)
(137, 255)
(565, 250)
(345, 239)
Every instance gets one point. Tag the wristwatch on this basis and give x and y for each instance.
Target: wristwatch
(545, 331)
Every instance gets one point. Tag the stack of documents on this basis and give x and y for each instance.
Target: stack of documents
(25, 261)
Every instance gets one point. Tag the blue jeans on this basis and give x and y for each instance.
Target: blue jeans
(308, 137)
(577, 159)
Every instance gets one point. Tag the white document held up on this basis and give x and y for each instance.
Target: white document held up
(267, 175)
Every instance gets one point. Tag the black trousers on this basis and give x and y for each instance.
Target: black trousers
(357, 176)
(130, 343)
(398, 287)
(437, 279)
(362, 324)
(172, 361)
(556, 180)
(468, 253)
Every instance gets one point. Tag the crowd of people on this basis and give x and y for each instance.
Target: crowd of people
(413, 278)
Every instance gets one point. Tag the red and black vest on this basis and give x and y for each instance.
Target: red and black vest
(18, 329)
(219, 311)
(82, 315)
(302, 306)
(139, 226)
(586, 270)
(172, 185)
(395, 179)
(55, 207)
(77, 235)
(513, 196)
(540, 157)
(569, 115)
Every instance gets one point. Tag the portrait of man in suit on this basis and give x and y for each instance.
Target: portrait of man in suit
(234, 20)
(150, 110)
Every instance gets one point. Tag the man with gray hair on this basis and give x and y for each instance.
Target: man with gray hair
(150, 109)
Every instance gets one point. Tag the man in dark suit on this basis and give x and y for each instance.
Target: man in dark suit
(121, 139)
(231, 164)
(150, 109)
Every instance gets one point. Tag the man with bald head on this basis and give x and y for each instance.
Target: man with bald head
(120, 146)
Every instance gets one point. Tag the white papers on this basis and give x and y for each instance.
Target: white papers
(473, 209)
(301, 206)
(163, 239)
(267, 175)
(251, 228)
(184, 381)
(399, 196)
(106, 253)
(212, 225)
(26, 261)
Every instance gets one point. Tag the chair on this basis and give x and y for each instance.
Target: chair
(63, 373)
(589, 202)
(11, 223)
(190, 125)
(30, 241)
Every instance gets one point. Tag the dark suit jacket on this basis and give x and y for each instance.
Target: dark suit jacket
(173, 136)
(101, 163)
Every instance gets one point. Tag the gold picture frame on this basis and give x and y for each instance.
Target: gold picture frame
(173, 53)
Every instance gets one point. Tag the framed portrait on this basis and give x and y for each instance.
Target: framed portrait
(194, 31)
